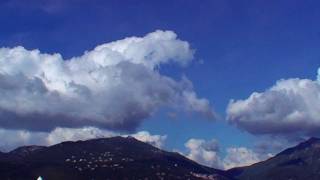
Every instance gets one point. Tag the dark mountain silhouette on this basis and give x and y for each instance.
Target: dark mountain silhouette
(127, 158)
(297, 163)
(106, 158)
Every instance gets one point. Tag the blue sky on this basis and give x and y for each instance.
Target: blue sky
(241, 47)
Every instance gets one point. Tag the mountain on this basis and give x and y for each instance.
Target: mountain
(25, 151)
(297, 163)
(128, 158)
(105, 158)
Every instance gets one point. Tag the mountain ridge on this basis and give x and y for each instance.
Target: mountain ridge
(102, 158)
(128, 158)
(298, 162)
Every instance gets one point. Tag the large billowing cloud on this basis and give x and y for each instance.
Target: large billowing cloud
(116, 85)
(290, 108)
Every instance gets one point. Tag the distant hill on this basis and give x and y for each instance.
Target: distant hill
(301, 162)
(113, 158)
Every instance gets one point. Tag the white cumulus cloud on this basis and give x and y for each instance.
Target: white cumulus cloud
(155, 140)
(204, 152)
(207, 152)
(240, 156)
(116, 85)
(290, 108)
(74, 134)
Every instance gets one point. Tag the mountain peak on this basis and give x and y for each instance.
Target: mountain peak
(24, 150)
(102, 158)
(299, 162)
(311, 142)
